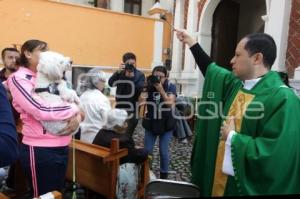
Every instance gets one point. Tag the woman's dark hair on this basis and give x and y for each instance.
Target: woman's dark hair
(264, 44)
(162, 69)
(30, 46)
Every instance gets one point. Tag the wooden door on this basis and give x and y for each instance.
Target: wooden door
(224, 32)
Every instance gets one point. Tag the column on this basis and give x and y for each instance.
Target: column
(277, 25)
(189, 74)
(117, 5)
(158, 44)
(155, 12)
(177, 45)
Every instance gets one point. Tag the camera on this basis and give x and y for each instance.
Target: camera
(129, 67)
(151, 81)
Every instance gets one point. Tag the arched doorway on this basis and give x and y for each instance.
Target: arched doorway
(232, 20)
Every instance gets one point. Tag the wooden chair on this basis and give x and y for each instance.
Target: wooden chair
(160, 188)
(97, 167)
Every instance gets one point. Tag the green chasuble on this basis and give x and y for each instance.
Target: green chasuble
(265, 150)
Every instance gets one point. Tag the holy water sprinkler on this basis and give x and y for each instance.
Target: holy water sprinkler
(163, 17)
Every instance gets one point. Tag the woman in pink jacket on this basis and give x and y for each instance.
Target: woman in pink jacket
(43, 156)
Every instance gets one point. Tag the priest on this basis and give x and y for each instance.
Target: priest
(248, 127)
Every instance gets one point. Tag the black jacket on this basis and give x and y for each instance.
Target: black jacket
(124, 88)
(104, 137)
(8, 134)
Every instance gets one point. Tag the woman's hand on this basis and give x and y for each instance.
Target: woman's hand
(73, 124)
(169, 99)
(159, 88)
(184, 37)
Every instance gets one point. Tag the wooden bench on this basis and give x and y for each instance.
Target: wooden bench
(97, 167)
(2, 196)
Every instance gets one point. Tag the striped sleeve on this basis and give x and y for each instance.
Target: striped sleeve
(23, 98)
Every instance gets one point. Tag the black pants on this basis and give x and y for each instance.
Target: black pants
(45, 167)
(132, 123)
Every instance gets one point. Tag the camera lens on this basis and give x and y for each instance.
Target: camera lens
(129, 67)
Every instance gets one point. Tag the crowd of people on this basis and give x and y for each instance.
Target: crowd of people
(44, 155)
(249, 147)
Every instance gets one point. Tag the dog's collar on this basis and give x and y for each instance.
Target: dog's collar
(52, 88)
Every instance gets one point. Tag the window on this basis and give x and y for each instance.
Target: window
(102, 4)
(133, 7)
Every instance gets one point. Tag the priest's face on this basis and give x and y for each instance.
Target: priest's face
(242, 62)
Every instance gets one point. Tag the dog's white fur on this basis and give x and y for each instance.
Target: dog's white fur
(50, 69)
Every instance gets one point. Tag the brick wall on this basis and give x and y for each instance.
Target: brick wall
(293, 50)
(186, 8)
(200, 8)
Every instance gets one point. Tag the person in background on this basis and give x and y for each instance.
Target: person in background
(116, 127)
(159, 121)
(94, 104)
(129, 82)
(9, 59)
(8, 134)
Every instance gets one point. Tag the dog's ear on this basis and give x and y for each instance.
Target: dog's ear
(68, 63)
(50, 66)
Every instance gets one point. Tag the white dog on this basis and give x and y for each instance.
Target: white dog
(51, 86)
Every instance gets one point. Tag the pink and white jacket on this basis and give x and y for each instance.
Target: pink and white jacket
(33, 109)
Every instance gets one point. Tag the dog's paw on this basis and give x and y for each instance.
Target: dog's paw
(70, 96)
(67, 94)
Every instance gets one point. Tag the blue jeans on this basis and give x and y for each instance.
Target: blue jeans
(164, 141)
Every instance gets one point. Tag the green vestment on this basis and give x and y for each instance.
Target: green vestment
(265, 150)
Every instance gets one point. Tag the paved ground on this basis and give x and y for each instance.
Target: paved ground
(180, 156)
(179, 165)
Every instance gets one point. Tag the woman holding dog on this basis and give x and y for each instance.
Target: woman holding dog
(43, 156)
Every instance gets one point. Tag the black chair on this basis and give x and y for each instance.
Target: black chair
(159, 188)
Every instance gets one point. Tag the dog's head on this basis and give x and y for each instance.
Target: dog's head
(53, 65)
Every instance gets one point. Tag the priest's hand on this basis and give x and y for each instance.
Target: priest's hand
(184, 37)
(227, 126)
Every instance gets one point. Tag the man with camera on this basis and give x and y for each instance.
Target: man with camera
(159, 95)
(129, 82)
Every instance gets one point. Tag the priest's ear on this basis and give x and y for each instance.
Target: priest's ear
(258, 59)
